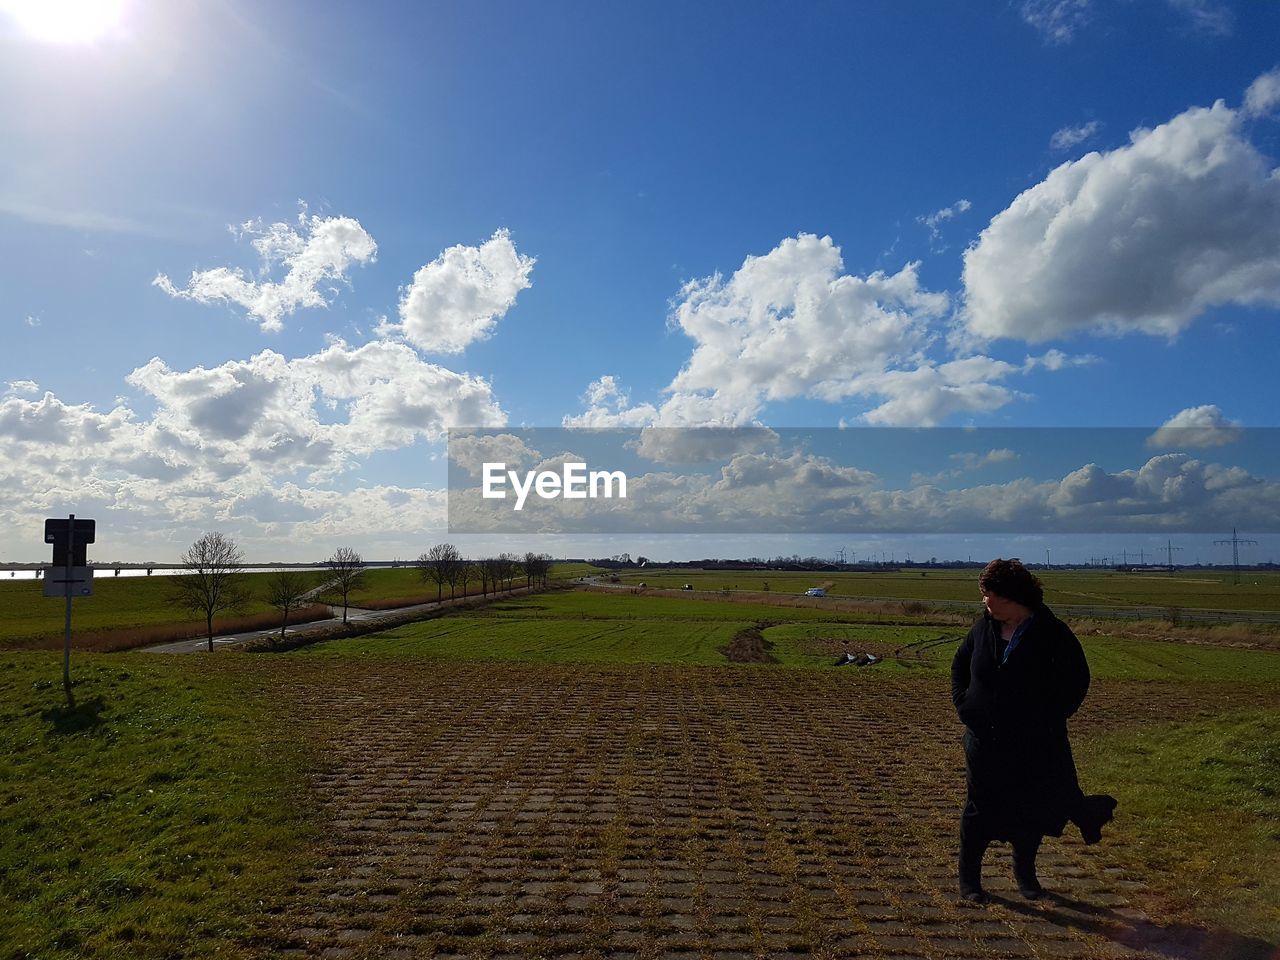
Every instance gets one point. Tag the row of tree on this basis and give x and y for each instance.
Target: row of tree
(215, 584)
(444, 564)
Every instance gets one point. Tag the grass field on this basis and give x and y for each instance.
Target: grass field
(585, 772)
(1191, 589)
(128, 609)
(118, 607)
(590, 627)
(143, 823)
(1203, 802)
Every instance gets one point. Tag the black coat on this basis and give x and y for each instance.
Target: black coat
(1019, 769)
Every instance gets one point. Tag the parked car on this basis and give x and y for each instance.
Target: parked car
(815, 592)
(687, 586)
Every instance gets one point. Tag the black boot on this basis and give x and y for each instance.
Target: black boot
(1024, 867)
(971, 852)
(1095, 810)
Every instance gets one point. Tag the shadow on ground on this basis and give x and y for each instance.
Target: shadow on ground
(1177, 941)
(76, 718)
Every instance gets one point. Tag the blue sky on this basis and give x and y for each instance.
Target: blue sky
(257, 258)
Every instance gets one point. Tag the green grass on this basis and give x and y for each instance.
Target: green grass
(814, 645)
(588, 627)
(545, 641)
(147, 823)
(1185, 589)
(116, 603)
(1200, 802)
(579, 627)
(399, 583)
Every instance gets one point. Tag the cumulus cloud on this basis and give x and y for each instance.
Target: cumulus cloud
(14, 388)
(1196, 427)
(967, 462)
(1144, 238)
(472, 452)
(1068, 137)
(799, 492)
(267, 410)
(459, 297)
(1263, 95)
(316, 254)
(792, 324)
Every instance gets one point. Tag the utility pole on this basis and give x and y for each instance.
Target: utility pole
(1170, 548)
(1235, 542)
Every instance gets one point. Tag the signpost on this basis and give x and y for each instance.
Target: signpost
(70, 575)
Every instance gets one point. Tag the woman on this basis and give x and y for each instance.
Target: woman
(1015, 680)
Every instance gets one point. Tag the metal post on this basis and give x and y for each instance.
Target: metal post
(66, 647)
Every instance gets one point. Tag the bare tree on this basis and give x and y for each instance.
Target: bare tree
(287, 590)
(491, 571)
(468, 571)
(536, 568)
(438, 566)
(346, 574)
(509, 568)
(213, 583)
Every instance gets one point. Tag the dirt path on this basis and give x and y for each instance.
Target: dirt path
(519, 811)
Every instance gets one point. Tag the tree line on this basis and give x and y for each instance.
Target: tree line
(443, 564)
(215, 583)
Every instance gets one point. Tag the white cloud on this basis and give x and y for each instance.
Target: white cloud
(932, 393)
(1057, 20)
(265, 412)
(316, 254)
(1055, 359)
(1196, 427)
(1206, 16)
(799, 492)
(32, 321)
(791, 324)
(48, 421)
(459, 297)
(1068, 137)
(1144, 238)
(608, 405)
(472, 452)
(935, 220)
(15, 388)
(1263, 95)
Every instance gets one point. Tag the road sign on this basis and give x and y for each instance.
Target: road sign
(59, 533)
(56, 580)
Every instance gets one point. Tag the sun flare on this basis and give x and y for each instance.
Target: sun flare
(65, 21)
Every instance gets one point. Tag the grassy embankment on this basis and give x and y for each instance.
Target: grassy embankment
(137, 611)
(149, 822)
(124, 613)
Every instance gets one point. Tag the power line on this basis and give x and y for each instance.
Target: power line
(1235, 542)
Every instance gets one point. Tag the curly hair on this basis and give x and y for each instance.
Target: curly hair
(1011, 580)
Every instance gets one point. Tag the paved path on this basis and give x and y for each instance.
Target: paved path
(354, 615)
(505, 811)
